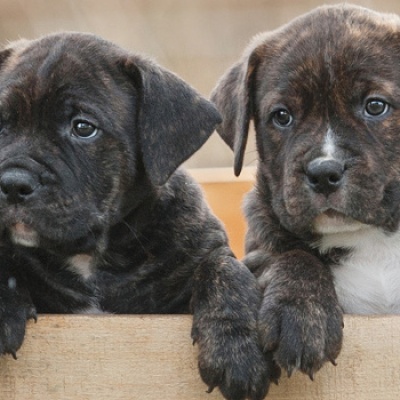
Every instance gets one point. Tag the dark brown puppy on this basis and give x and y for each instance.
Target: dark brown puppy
(93, 215)
(324, 95)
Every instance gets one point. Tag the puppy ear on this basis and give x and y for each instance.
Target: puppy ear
(174, 120)
(4, 55)
(233, 98)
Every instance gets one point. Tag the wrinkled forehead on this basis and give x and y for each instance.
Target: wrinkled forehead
(59, 59)
(335, 26)
(331, 45)
(59, 67)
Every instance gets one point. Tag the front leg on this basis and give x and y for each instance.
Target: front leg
(225, 303)
(16, 308)
(300, 319)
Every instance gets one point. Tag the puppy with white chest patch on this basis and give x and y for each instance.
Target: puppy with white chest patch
(95, 215)
(323, 237)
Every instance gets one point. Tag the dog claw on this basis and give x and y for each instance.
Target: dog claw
(311, 376)
(14, 355)
(275, 374)
(333, 362)
(290, 371)
(32, 314)
(210, 389)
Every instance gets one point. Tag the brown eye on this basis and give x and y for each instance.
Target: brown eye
(376, 107)
(83, 129)
(282, 118)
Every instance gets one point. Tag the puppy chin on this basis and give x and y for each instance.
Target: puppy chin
(331, 222)
(23, 235)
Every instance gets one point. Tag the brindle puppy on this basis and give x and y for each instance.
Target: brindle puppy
(93, 215)
(324, 95)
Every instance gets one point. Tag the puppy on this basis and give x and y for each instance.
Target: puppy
(324, 95)
(96, 218)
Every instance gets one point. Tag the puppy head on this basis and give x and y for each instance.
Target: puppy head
(324, 94)
(86, 130)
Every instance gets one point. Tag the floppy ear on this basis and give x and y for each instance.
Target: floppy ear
(174, 120)
(4, 54)
(233, 98)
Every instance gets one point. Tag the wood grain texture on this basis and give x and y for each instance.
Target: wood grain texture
(78, 357)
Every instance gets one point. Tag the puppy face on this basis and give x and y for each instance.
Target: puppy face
(57, 121)
(324, 94)
(87, 130)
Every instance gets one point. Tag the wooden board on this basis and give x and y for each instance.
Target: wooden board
(77, 357)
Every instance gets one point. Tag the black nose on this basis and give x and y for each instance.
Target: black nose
(17, 184)
(325, 176)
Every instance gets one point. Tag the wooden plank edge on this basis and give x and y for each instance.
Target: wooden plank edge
(83, 357)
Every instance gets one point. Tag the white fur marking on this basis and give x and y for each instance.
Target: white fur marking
(24, 235)
(12, 283)
(367, 281)
(81, 264)
(93, 310)
(329, 146)
(325, 224)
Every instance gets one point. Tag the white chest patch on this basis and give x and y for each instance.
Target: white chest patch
(82, 264)
(367, 281)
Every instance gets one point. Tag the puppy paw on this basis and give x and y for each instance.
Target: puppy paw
(302, 334)
(15, 311)
(225, 302)
(231, 359)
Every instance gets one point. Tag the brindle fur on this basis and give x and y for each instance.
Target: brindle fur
(116, 205)
(322, 67)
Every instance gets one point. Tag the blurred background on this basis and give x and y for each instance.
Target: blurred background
(197, 39)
